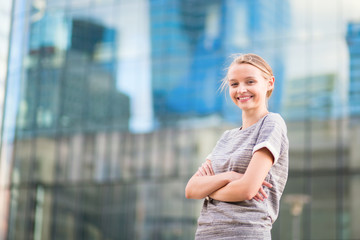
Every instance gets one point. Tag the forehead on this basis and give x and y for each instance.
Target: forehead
(243, 70)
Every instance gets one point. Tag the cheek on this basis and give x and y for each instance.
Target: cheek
(260, 93)
(263, 90)
(231, 92)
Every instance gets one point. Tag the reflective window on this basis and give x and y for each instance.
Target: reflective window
(110, 106)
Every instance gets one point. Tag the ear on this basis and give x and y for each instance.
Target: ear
(271, 83)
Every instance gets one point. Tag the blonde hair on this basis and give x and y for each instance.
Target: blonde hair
(254, 60)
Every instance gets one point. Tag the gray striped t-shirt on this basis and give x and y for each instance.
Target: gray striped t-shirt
(247, 219)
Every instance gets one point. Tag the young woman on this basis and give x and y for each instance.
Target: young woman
(244, 177)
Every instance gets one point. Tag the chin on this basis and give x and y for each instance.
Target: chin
(248, 108)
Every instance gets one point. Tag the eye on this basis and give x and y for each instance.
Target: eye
(234, 84)
(251, 81)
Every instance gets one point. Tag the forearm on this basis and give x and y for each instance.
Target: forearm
(199, 187)
(247, 186)
(235, 191)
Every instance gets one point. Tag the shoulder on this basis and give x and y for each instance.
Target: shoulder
(274, 120)
(275, 117)
(227, 133)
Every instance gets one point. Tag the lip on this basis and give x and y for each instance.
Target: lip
(244, 98)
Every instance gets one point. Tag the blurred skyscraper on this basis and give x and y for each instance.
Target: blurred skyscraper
(191, 42)
(353, 40)
(110, 107)
(312, 98)
(71, 81)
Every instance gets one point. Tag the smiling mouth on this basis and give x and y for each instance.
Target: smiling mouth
(244, 98)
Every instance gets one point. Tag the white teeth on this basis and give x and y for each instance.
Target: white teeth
(244, 98)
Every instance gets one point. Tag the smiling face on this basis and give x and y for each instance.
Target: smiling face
(248, 87)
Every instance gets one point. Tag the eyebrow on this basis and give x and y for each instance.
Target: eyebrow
(247, 78)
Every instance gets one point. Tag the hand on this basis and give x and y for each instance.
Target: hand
(261, 195)
(205, 169)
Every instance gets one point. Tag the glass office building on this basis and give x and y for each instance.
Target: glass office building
(109, 106)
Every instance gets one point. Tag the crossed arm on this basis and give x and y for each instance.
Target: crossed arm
(232, 186)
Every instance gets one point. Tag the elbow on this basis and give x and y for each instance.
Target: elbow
(241, 192)
(191, 191)
(187, 194)
(190, 194)
(249, 194)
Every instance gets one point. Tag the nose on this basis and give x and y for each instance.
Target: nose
(242, 89)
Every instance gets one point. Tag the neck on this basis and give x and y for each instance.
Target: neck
(251, 117)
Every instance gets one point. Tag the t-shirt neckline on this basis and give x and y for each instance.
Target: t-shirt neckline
(252, 126)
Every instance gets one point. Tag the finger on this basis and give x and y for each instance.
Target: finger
(261, 190)
(206, 169)
(259, 196)
(267, 184)
(210, 165)
(210, 169)
(201, 171)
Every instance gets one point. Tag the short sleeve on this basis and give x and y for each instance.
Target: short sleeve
(272, 135)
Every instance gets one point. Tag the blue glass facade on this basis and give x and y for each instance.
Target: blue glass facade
(197, 38)
(353, 40)
(110, 107)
